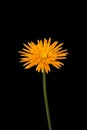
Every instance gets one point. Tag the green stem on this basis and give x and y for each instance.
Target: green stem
(46, 101)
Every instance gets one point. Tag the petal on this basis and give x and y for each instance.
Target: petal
(60, 45)
(49, 41)
(26, 64)
(47, 68)
(24, 59)
(28, 51)
(45, 43)
(62, 54)
(23, 53)
(32, 44)
(57, 48)
(62, 51)
(53, 45)
(42, 67)
(57, 64)
(38, 67)
(57, 58)
(30, 65)
(27, 46)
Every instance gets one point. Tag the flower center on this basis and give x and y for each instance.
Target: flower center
(43, 55)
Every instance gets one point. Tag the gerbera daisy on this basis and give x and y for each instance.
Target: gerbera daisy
(42, 55)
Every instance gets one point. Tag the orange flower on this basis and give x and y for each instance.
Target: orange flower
(42, 55)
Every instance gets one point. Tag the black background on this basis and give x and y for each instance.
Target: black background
(25, 91)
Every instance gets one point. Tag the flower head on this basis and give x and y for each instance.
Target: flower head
(42, 55)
